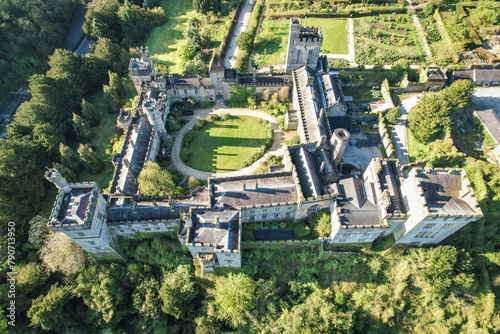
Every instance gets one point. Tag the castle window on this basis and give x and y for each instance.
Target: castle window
(91, 242)
(426, 235)
(414, 243)
(264, 210)
(97, 248)
(288, 214)
(196, 91)
(251, 211)
(431, 225)
(99, 216)
(81, 234)
(342, 240)
(147, 229)
(229, 261)
(313, 209)
(121, 231)
(446, 226)
(276, 215)
(157, 228)
(264, 216)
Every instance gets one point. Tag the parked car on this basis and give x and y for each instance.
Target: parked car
(354, 129)
(187, 113)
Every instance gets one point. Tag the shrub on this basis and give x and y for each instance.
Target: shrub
(393, 115)
(282, 123)
(185, 154)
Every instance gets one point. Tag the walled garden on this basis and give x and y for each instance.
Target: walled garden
(385, 39)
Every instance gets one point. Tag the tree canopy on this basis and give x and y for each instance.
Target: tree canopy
(155, 182)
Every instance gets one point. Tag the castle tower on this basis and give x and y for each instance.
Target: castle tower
(142, 69)
(304, 45)
(339, 143)
(154, 110)
(80, 212)
(146, 58)
(216, 70)
(56, 178)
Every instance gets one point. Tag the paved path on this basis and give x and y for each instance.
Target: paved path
(399, 136)
(241, 26)
(420, 32)
(488, 98)
(277, 148)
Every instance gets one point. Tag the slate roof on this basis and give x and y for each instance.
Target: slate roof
(205, 229)
(251, 190)
(442, 193)
(312, 98)
(216, 64)
(359, 205)
(143, 210)
(388, 180)
(135, 148)
(478, 75)
(307, 171)
(491, 122)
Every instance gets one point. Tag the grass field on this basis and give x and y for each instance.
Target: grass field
(334, 34)
(416, 150)
(223, 146)
(164, 40)
(270, 47)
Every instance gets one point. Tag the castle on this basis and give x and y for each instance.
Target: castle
(419, 206)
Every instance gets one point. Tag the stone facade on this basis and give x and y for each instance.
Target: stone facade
(304, 45)
(418, 206)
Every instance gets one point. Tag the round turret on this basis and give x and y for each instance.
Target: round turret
(339, 143)
(56, 178)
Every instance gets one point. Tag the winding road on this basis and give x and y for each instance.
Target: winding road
(277, 148)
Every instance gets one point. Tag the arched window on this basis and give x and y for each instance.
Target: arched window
(313, 209)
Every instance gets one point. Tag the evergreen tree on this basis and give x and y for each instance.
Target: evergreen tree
(90, 114)
(205, 6)
(91, 161)
(82, 129)
(70, 158)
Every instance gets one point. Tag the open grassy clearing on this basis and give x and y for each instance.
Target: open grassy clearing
(334, 34)
(416, 150)
(270, 47)
(223, 146)
(164, 40)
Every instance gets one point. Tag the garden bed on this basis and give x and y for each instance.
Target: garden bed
(385, 39)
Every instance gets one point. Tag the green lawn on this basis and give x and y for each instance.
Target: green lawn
(164, 40)
(334, 34)
(416, 150)
(270, 47)
(223, 146)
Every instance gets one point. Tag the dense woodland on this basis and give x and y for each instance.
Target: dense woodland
(291, 288)
(29, 31)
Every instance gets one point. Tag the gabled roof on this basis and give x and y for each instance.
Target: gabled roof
(216, 64)
(491, 122)
(307, 171)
